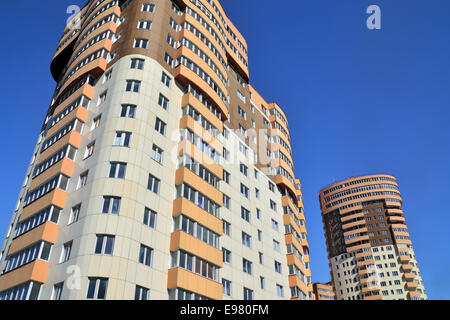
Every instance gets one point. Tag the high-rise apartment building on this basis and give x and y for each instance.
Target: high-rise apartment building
(369, 247)
(159, 172)
(323, 291)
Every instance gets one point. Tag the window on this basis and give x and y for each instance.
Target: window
(157, 154)
(277, 267)
(273, 205)
(248, 294)
(280, 292)
(226, 256)
(226, 201)
(245, 191)
(133, 86)
(173, 24)
(271, 187)
(122, 139)
(96, 122)
(75, 214)
(168, 59)
(141, 293)
(104, 244)
(165, 79)
(83, 180)
(274, 225)
(145, 24)
(276, 246)
(257, 193)
(57, 291)
(245, 214)
(160, 126)
(226, 287)
(140, 43)
(150, 218)
(259, 235)
(244, 169)
(262, 282)
(102, 98)
(111, 205)
(247, 266)
(65, 254)
(148, 7)
(261, 257)
(242, 113)
(137, 64)
(97, 288)
(163, 102)
(128, 111)
(170, 40)
(226, 177)
(89, 150)
(153, 184)
(107, 76)
(145, 255)
(117, 170)
(246, 240)
(226, 228)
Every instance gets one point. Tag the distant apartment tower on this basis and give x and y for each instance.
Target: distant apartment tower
(159, 172)
(369, 247)
(323, 291)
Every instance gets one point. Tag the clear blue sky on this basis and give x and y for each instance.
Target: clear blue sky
(358, 102)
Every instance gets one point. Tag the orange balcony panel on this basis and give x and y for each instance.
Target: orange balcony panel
(413, 294)
(363, 254)
(363, 229)
(406, 267)
(373, 297)
(185, 75)
(180, 278)
(112, 26)
(78, 113)
(353, 240)
(404, 259)
(409, 276)
(189, 209)
(360, 223)
(238, 64)
(411, 286)
(64, 166)
(281, 180)
(190, 99)
(188, 122)
(185, 147)
(46, 232)
(290, 239)
(56, 197)
(365, 262)
(370, 289)
(186, 242)
(403, 241)
(394, 211)
(352, 216)
(295, 281)
(86, 90)
(292, 259)
(185, 175)
(105, 43)
(364, 272)
(34, 271)
(287, 219)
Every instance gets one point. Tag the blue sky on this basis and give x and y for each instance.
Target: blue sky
(358, 101)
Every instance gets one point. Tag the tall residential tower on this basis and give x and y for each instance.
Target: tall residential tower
(369, 247)
(159, 172)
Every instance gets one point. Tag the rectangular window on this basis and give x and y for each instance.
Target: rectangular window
(244, 169)
(144, 24)
(157, 154)
(102, 98)
(122, 139)
(75, 214)
(67, 250)
(262, 282)
(104, 244)
(226, 287)
(276, 246)
(150, 218)
(277, 267)
(246, 240)
(83, 180)
(274, 225)
(273, 205)
(165, 79)
(145, 255)
(117, 170)
(111, 205)
(57, 291)
(128, 111)
(133, 86)
(141, 293)
(160, 126)
(89, 150)
(247, 266)
(153, 184)
(226, 228)
(248, 294)
(163, 102)
(140, 43)
(226, 201)
(148, 7)
(96, 122)
(257, 193)
(261, 257)
(245, 191)
(168, 59)
(226, 177)
(137, 64)
(226, 256)
(97, 288)
(245, 214)
(280, 292)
